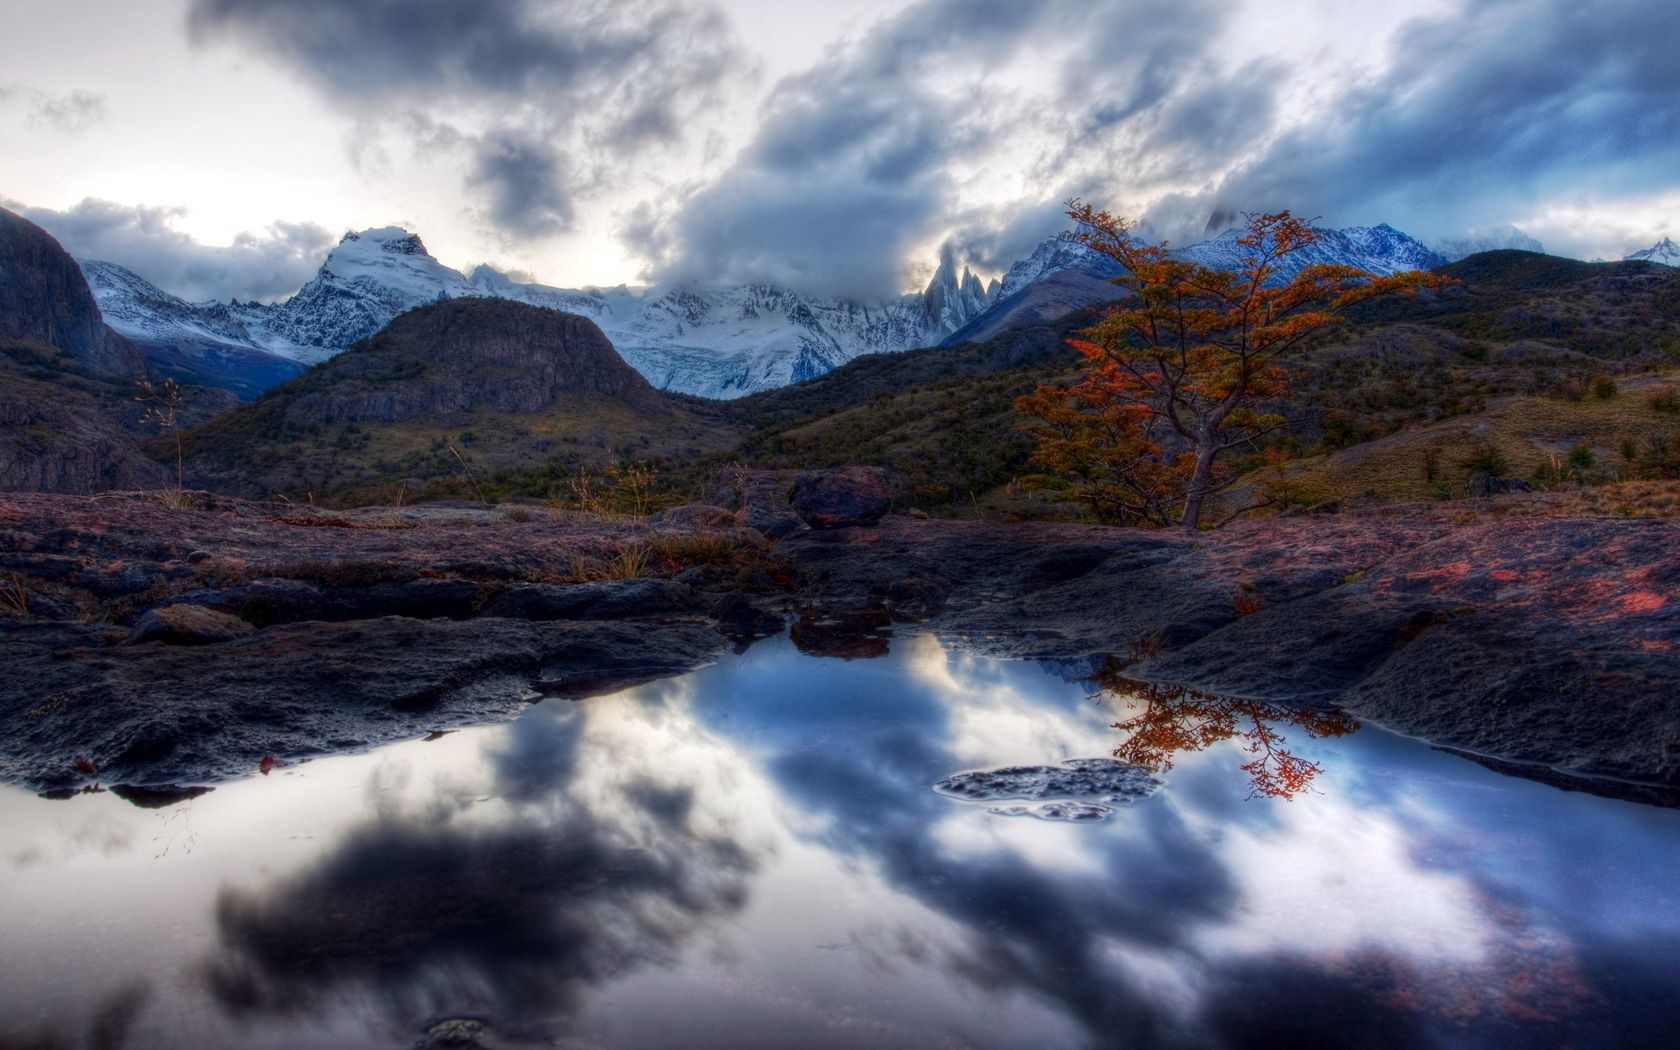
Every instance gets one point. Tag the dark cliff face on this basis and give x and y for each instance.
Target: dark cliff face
(465, 355)
(68, 414)
(45, 299)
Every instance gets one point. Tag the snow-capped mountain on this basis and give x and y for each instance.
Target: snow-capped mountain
(1063, 275)
(1377, 249)
(1664, 251)
(719, 344)
(1496, 238)
(139, 309)
(714, 343)
(1061, 252)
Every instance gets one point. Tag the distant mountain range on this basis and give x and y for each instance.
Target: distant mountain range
(717, 343)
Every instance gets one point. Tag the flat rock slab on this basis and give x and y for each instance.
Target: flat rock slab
(161, 714)
(1551, 641)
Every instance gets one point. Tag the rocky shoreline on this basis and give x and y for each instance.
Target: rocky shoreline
(151, 646)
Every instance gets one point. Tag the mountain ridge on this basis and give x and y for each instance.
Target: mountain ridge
(720, 344)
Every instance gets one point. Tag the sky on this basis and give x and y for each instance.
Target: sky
(220, 147)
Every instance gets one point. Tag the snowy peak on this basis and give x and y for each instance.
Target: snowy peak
(1380, 249)
(1665, 252)
(395, 260)
(1061, 252)
(1495, 238)
(950, 301)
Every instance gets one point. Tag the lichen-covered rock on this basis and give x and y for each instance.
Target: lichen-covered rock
(844, 496)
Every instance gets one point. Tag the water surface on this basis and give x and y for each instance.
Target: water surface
(754, 855)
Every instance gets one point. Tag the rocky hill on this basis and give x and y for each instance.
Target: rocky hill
(45, 299)
(69, 421)
(464, 387)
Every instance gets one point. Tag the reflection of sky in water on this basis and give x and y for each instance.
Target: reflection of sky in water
(752, 856)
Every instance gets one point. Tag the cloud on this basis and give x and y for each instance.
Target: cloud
(1480, 115)
(522, 178)
(70, 112)
(1479, 112)
(262, 264)
(552, 101)
(866, 156)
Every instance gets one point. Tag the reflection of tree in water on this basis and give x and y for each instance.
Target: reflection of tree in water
(1175, 719)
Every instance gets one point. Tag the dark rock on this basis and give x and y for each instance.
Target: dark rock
(165, 715)
(769, 521)
(1488, 485)
(45, 299)
(845, 496)
(604, 600)
(741, 621)
(188, 625)
(916, 598)
(159, 797)
(51, 608)
(849, 635)
(695, 516)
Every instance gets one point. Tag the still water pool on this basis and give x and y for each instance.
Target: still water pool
(756, 855)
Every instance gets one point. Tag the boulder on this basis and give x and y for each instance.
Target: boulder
(845, 496)
(771, 522)
(188, 625)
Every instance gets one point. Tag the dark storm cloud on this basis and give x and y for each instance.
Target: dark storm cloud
(522, 181)
(257, 265)
(1482, 114)
(854, 161)
(1478, 116)
(618, 77)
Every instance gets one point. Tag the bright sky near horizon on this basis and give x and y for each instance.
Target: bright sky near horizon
(220, 146)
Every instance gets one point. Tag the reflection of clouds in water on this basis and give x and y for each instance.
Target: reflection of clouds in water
(768, 830)
(98, 833)
(602, 856)
(1337, 878)
(1147, 929)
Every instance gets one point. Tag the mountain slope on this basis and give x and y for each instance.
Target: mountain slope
(1665, 252)
(187, 342)
(464, 387)
(67, 382)
(1062, 275)
(1497, 239)
(714, 343)
(1378, 249)
(45, 299)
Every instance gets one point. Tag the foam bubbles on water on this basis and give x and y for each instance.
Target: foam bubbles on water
(1078, 790)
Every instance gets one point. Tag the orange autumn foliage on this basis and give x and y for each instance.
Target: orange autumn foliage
(1177, 720)
(1179, 373)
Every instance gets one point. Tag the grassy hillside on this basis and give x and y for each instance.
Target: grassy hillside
(1633, 432)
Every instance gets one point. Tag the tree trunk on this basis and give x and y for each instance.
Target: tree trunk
(1200, 480)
